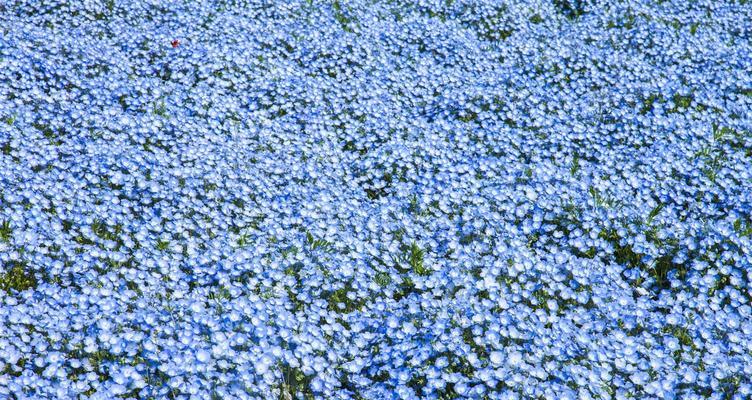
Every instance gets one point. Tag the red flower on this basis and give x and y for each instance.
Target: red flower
(175, 43)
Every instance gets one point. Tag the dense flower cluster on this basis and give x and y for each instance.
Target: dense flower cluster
(366, 199)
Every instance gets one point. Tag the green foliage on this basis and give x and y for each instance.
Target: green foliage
(649, 102)
(735, 138)
(467, 239)
(541, 296)
(693, 28)
(99, 362)
(382, 279)
(575, 165)
(405, 288)
(340, 16)
(719, 285)
(682, 334)
(598, 199)
(742, 228)
(294, 383)
(654, 213)
(46, 130)
(681, 102)
(101, 230)
(496, 25)
(160, 109)
(244, 240)
(318, 243)
(414, 208)
(17, 278)
(220, 293)
(571, 9)
(6, 232)
(340, 302)
(627, 22)
(290, 250)
(659, 268)
(468, 116)
(294, 269)
(745, 92)
(14, 370)
(415, 259)
(162, 245)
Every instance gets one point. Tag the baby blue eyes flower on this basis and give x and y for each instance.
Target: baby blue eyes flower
(384, 199)
(118, 389)
(203, 356)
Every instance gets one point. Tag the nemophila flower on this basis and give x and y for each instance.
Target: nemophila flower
(387, 200)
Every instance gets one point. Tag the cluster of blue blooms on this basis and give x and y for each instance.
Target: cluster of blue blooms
(358, 199)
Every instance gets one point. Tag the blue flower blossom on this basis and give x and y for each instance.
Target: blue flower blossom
(380, 200)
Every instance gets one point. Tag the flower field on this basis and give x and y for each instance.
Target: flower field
(375, 199)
